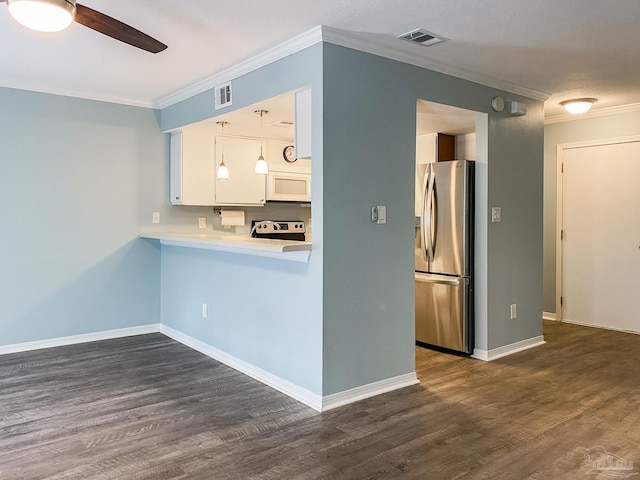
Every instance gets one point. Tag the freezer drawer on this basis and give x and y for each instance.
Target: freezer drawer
(442, 311)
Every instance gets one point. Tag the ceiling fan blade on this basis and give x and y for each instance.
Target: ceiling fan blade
(116, 29)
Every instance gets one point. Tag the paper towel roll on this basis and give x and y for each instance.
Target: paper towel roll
(232, 218)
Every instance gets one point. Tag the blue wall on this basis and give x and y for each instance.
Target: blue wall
(358, 323)
(369, 155)
(266, 312)
(80, 180)
(83, 177)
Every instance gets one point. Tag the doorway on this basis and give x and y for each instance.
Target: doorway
(598, 242)
(469, 131)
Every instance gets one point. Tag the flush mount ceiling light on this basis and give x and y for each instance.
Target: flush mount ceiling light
(43, 15)
(261, 165)
(223, 171)
(578, 105)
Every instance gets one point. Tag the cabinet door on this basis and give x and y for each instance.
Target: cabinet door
(243, 187)
(303, 124)
(175, 169)
(191, 168)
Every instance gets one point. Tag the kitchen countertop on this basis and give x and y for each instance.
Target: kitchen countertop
(242, 244)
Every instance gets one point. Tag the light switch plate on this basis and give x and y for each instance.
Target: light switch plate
(496, 214)
(156, 217)
(379, 214)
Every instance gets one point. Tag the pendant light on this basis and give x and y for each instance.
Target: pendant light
(43, 15)
(223, 171)
(261, 165)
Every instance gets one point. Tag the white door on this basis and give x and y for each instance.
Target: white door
(601, 235)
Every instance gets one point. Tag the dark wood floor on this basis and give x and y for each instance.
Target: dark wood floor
(149, 408)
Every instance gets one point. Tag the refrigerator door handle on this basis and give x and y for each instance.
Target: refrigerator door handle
(433, 231)
(420, 277)
(423, 223)
(429, 215)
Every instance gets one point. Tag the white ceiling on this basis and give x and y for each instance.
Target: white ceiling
(566, 48)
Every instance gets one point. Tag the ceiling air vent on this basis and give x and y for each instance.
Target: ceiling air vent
(223, 95)
(422, 37)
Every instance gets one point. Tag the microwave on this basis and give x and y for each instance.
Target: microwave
(289, 186)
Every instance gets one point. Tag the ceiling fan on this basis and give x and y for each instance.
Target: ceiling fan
(56, 15)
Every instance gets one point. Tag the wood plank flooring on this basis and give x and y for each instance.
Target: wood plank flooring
(147, 407)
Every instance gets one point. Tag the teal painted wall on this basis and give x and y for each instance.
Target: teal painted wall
(80, 180)
(91, 173)
(515, 183)
(265, 312)
(358, 325)
(369, 151)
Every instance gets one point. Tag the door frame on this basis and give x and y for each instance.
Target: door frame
(560, 149)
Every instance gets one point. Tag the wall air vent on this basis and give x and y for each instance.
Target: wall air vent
(422, 37)
(223, 95)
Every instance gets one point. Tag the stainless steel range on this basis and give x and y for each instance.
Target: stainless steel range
(279, 229)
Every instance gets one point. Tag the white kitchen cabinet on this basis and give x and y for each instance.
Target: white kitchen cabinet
(243, 187)
(302, 123)
(192, 169)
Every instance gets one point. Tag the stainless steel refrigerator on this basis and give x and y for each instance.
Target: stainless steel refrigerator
(444, 256)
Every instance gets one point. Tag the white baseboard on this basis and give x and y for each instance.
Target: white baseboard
(370, 390)
(303, 395)
(83, 338)
(488, 355)
(548, 316)
(313, 400)
(605, 327)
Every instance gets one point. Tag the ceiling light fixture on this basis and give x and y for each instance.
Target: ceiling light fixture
(261, 165)
(223, 171)
(578, 106)
(43, 15)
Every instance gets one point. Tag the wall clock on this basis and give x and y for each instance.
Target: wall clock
(289, 154)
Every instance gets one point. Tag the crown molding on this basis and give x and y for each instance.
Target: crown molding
(382, 48)
(78, 94)
(289, 47)
(600, 112)
(347, 39)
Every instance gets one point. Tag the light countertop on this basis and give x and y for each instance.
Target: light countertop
(242, 244)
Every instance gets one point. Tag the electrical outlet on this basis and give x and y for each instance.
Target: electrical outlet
(514, 311)
(202, 222)
(205, 310)
(156, 217)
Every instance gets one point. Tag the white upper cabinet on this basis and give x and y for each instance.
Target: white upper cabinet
(303, 123)
(196, 153)
(192, 168)
(243, 187)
